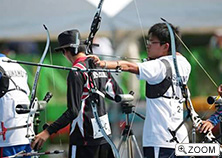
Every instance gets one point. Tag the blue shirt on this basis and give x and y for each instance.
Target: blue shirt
(216, 117)
(2, 55)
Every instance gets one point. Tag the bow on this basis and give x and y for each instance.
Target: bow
(94, 90)
(34, 101)
(197, 121)
(94, 28)
(89, 43)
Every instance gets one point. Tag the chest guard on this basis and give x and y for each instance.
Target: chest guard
(158, 90)
(4, 82)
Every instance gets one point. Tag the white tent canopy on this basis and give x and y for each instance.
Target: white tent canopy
(24, 18)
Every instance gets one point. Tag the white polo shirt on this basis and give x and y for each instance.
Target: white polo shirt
(9, 102)
(163, 113)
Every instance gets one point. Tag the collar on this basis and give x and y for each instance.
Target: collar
(2, 55)
(79, 60)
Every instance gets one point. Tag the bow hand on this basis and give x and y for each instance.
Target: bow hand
(205, 126)
(96, 60)
(39, 140)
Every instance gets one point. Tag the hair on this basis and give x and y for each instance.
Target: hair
(160, 30)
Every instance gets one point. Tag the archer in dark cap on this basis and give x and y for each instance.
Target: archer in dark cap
(71, 39)
(86, 139)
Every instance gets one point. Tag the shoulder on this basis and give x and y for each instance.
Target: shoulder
(181, 60)
(182, 63)
(81, 65)
(153, 71)
(77, 75)
(151, 63)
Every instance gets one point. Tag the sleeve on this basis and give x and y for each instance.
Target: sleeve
(216, 117)
(112, 88)
(214, 120)
(75, 83)
(75, 87)
(153, 71)
(61, 122)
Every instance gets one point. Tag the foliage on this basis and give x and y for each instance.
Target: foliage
(199, 83)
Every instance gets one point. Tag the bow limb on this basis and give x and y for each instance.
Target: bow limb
(173, 49)
(95, 113)
(34, 88)
(94, 28)
(34, 100)
(94, 90)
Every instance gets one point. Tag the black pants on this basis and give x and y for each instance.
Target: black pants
(98, 151)
(163, 153)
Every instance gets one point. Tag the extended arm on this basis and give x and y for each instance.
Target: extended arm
(124, 65)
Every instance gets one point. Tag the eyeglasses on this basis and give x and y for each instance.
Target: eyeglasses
(148, 42)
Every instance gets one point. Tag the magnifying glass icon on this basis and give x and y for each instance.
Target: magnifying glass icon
(181, 148)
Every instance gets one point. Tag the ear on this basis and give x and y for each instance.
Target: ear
(166, 47)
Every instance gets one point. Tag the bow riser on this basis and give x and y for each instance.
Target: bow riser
(94, 28)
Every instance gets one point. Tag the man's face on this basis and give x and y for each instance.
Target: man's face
(154, 48)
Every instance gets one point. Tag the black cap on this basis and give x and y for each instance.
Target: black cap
(69, 38)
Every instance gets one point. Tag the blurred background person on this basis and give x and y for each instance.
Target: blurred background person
(14, 92)
(105, 46)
